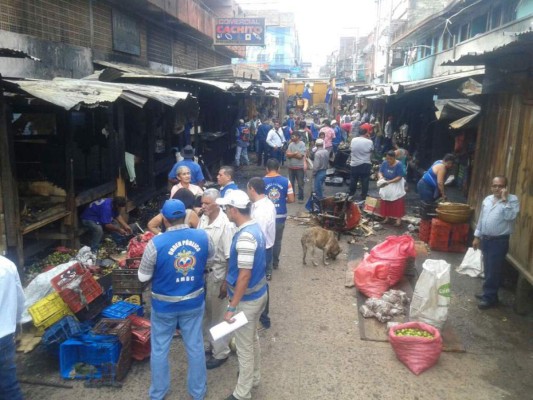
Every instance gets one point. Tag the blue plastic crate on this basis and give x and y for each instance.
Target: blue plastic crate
(64, 329)
(122, 309)
(96, 353)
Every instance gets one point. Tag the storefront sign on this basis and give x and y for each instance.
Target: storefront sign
(240, 31)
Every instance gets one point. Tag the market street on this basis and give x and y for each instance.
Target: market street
(313, 349)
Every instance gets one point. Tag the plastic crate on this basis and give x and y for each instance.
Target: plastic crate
(85, 358)
(140, 350)
(118, 327)
(133, 299)
(126, 281)
(47, 311)
(77, 287)
(64, 329)
(122, 309)
(424, 230)
(140, 343)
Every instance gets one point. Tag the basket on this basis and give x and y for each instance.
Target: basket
(126, 281)
(66, 328)
(458, 217)
(77, 287)
(47, 311)
(122, 310)
(453, 207)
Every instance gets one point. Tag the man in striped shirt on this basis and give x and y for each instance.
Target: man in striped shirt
(494, 227)
(247, 290)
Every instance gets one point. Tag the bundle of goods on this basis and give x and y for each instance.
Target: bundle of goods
(417, 345)
(391, 304)
(136, 248)
(431, 297)
(384, 266)
(454, 213)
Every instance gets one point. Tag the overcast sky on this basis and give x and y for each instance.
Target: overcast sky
(320, 23)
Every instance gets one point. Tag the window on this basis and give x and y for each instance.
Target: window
(262, 58)
(463, 33)
(479, 25)
(280, 40)
(496, 17)
(279, 58)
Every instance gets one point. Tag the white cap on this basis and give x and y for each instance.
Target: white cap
(319, 142)
(333, 121)
(235, 198)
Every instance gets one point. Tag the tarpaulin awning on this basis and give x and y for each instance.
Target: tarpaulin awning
(75, 93)
(464, 122)
(405, 87)
(455, 110)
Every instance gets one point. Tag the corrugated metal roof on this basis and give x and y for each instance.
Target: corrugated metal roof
(75, 93)
(14, 53)
(405, 87)
(518, 42)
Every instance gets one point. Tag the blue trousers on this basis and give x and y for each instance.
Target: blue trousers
(163, 329)
(426, 192)
(9, 386)
(360, 172)
(96, 231)
(262, 149)
(320, 177)
(494, 251)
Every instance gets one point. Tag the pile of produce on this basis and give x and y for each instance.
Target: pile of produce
(414, 332)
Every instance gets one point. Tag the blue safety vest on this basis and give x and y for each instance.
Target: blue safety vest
(257, 285)
(178, 280)
(230, 186)
(276, 189)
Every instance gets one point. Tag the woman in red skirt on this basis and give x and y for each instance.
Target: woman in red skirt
(392, 189)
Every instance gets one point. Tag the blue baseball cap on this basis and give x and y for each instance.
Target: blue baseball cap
(173, 209)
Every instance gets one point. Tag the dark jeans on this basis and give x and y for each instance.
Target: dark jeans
(264, 318)
(9, 386)
(494, 251)
(297, 175)
(262, 151)
(276, 249)
(426, 192)
(320, 177)
(96, 232)
(361, 172)
(277, 154)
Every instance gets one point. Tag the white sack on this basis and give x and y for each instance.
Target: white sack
(472, 264)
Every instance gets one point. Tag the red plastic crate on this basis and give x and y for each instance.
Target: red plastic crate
(77, 287)
(140, 344)
(459, 233)
(424, 230)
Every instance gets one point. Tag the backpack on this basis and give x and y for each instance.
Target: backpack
(245, 134)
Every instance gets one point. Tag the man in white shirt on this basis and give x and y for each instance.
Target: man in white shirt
(264, 213)
(11, 304)
(218, 227)
(275, 140)
(360, 161)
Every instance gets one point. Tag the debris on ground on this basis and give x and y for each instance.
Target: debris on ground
(390, 305)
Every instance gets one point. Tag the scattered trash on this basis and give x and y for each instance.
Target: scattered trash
(391, 304)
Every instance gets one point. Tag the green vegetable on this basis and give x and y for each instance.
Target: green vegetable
(414, 332)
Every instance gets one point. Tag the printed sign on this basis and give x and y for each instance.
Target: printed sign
(240, 31)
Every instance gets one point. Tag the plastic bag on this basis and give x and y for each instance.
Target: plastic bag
(431, 297)
(137, 244)
(371, 278)
(472, 264)
(394, 252)
(416, 353)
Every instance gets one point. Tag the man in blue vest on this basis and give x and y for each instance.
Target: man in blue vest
(175, 262)
(261, 147)
(247, 290)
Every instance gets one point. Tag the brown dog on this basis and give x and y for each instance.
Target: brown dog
(324, 240)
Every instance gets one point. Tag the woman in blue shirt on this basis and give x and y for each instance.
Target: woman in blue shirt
(392, 192)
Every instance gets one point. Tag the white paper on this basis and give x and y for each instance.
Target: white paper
(224, 328)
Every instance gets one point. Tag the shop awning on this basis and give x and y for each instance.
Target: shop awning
(462, 112)
(76, 93)
(406, 87)
(465, 122)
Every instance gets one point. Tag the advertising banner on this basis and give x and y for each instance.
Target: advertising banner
(240, 31)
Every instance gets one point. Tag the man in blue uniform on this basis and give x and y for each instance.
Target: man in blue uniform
(261, 147)
(175, 262)
(247, 290)
(225, 180)
(242, 134)
(100, 214)
(197, 177)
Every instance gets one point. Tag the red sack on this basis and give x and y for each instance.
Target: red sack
(137, 245)
(394, 252)
(370, 278)
(417, 353)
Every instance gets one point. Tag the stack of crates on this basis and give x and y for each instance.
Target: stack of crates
(66, 328)
(140, 331)
(49, 310)
(89, 357)
(448, 237)
(122, 329)
(77, 287)
(427, 214)
(424, 230)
